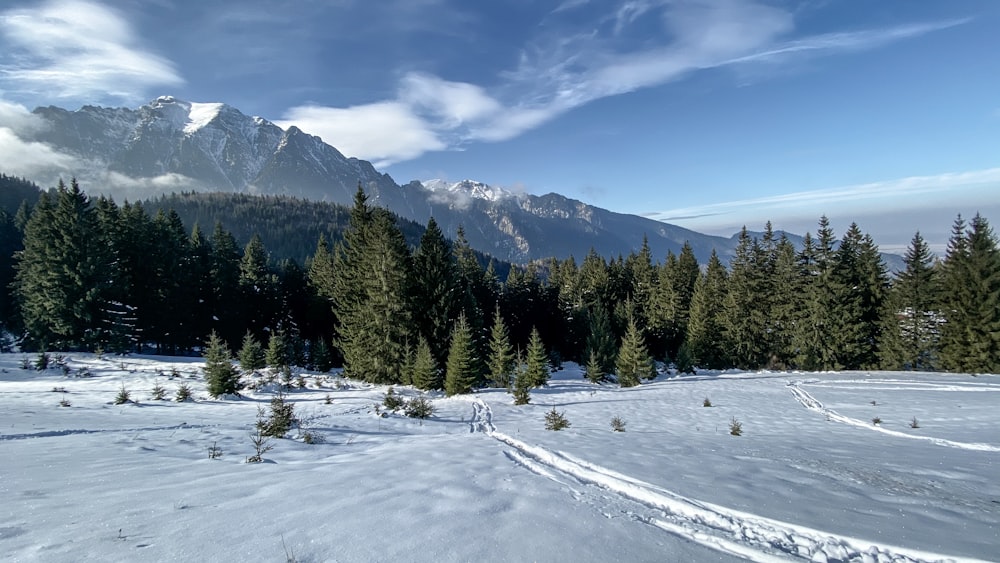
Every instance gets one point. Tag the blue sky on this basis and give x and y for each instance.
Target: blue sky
(709, 114)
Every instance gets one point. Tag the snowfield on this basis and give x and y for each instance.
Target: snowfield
(811, 478)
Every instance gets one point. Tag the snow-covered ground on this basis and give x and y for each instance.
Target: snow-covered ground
(811, 478)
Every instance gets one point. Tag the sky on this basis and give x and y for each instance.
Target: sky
(709, 114)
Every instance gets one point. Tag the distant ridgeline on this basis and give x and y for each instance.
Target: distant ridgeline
(82, 273)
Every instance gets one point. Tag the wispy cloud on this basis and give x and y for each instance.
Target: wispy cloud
(901, 206)
(559, 73)
(74, 49)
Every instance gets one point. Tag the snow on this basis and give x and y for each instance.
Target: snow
(810, 479)
(200, 115)
(467, 188)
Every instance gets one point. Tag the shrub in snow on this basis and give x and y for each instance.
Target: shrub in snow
(261, 442)
(418, 407)
(25, 363)
(281, 419)
(64, 403)
(183, 393)
(735, 427)
(392, 401)
(328, 400)
(876, 421)
(214, 452)
(159, 392)
(555, 420)
(42, 361)
(706, 403)
(123, 396)
(617, 424)
(914, 423)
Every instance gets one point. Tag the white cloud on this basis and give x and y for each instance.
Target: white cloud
(554, 77)
(79, 50)
(36, 161)
(384, 132)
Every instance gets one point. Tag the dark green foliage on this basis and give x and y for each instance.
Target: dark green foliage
(251, 354)
(915, 292)
(278, 355)
(593, 371)
(601, 343)
(617, 424)
(159, 393)
(522, 384)
(970, 300)
(536, 364)
(419, 407)
(706, 335)
(426, 374)
(220, 375)
(183, 394)
(392, 401)
(123, 396)
(501, 358)
(320, 356)
(634, 362)
(370, 295)
(281, 418)
(735, 427)
(460, 373)
(435, 290)
(555, 420)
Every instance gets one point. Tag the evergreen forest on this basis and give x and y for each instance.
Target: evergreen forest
(395, 302)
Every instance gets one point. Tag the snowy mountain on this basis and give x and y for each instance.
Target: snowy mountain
(175, 145)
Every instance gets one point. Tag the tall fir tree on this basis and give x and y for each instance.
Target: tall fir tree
(501, 358)
(601, 344)
(745, 312)
(634, 362)
(251, 354)
(426, 374)
(460, 373)
(220, 375)
(536, 369)
(705, 345)
(436, 290)
(371, 295)
(915, 291)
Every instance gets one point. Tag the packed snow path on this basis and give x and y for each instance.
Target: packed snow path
(810, 402)
(738, 533)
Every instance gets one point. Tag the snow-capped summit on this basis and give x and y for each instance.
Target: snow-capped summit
(471, 188)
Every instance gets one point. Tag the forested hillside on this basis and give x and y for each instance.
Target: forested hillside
(97, 275)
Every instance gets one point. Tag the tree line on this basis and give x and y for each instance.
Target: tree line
(89, 273)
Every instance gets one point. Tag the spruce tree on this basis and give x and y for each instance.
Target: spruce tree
(435, 290)
(914, 291)
(537, 362)
(425, 374)
(321, 356)
(745, 313)
(522, 383)
(258, 287)
(705, 345)
(601, 343)
(220, 375)
(634, 362)
(501, 358)
(278, 355)
(251, 354)
(593, 371)
(460, 374)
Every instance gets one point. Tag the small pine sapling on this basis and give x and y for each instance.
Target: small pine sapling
(914, 423)
(64, 403)
(183, 393)
(261, 442)
(876, 421)
(418, 407)
(328, 400)
(555, 420)
(42, 361)
(735, 427)
(617, 424)
(392, 401)
(214, 452)
(159, 393)
(123, 396)
(706, 402)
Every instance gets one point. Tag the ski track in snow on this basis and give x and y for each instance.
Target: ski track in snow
(810, 402)
(71, 432)
(755, 538)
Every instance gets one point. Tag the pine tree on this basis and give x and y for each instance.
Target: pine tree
(225, 272)
(915, 289)
(814, 336)
(593, 371)
(435, 290)
(860, 285)
(426, 374)
(634, 362)
(371, 295)
(970, 299)
(251, 354)
(601, 343)
(63, 271)
(320, 356)
(745, 311)
(522, 383)
(278, 355)
(501, 358)
(220, 375)
(460, 373)
(706, 338)
(537, 363)
(258, 286)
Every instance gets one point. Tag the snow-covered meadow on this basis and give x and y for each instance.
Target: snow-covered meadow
(811, 478)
